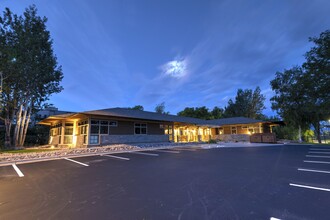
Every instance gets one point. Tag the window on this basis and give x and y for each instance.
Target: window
(140, 128)
(68, 132)
(94, 139)
(113, 124)
(82, 129)
(67, 139)
(104, 129)
(233, 130)
(95, 129)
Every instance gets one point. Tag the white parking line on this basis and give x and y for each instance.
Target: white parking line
(18, 171)
(186, 149)
(319, 149)
(318, 152)
(309, 187)
(168, 151)
(272, 218)
(121, 158)
(315, 171)
(317, 156)
(148, 154)
(315, 161)
(76, 161)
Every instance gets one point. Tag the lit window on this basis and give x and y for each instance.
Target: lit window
(233, 130)
(67, 139)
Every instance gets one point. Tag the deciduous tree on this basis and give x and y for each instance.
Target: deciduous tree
(30, 69)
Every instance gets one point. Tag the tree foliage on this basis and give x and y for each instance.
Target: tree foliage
(247, 103)
(138, 107)
(302, 94)
(160, 108)
(30, 69)
(202, 113)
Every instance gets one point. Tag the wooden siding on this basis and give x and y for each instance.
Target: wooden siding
(123, 127)
(154, 129)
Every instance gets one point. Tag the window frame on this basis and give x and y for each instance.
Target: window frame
(140, 126)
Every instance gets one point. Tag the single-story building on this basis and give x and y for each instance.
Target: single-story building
(124, 125)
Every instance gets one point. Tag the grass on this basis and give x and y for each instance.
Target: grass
(26, 151)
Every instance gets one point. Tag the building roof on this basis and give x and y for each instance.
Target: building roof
(235, 120)
(138, 114)
(152, 116)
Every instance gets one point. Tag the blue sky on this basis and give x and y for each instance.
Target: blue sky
(184, 53)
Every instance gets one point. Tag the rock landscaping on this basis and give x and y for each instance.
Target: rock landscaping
(73, 152)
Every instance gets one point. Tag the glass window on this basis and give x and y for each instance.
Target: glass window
(113, 123)
(137, 130)
(104, 123)
(140, 128)
(95, 122)
(94, 139)
(95, 129)
(68, 131)
(104, 129)
(67, 139)
(233, 130)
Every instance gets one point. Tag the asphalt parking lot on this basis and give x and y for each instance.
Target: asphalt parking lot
(279, 182)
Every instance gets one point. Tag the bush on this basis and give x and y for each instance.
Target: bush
(212, 141)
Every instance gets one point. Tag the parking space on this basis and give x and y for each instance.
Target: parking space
(314, 171)
(178, 183)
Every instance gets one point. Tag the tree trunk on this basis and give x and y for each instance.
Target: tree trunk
(23, 124)
(299, 134)
(7, 135)
(18, 125)
(319, 133)
(26, 125)
(317, 128)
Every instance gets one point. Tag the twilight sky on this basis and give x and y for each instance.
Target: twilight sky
(186, 53)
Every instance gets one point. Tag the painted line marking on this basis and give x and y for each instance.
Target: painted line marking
(18, 171)
(309, 187)
(317, 156)
(272, 218)
(148, 154)
(315, 161)
(315, 171)
(168, 151)
(116, 157)
(76, 161)
(320, 149)
(318, 152)
(186, 149)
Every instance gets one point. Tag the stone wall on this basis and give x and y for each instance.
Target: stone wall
(232, 137)
(117, 139)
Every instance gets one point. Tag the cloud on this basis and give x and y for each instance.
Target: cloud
(176, 68)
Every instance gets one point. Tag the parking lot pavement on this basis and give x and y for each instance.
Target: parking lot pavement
(218, 183)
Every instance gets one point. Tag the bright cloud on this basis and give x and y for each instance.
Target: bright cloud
(176, 68)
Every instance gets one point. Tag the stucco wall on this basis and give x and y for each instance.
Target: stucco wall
(120, 139)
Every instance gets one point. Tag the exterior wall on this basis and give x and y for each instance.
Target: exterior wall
(154, 129)
(55, 140)
(121, 139)
(80, 140)
(226, 130)
(233, 137)
(263, 138)
(123, 128)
